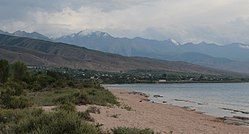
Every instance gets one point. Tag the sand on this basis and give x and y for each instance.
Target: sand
(137, 111)
(163, 118)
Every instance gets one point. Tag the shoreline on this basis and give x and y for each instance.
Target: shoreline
(218, 108)
(179, 82)
(137, 111)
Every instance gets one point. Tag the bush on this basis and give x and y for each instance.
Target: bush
(125, 130)
(15, 102)
(4, 71)
(67, 107)
(93, 109)
(42, 81)
(19, 71)
(55, 123)
(99, 97)
(37, 121)
(69, 97)
(85, 116)
(14, 88)
(12, 95)
(77, 96)
(18, 102)
(9, 118)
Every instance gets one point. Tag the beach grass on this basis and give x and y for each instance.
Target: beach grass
(73, 95)
(126, 130)
(34, 120)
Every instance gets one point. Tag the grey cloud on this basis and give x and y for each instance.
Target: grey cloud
(220, 21)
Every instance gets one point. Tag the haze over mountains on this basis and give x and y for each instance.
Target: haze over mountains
(232, 57)
(46, 53)
(33, 35)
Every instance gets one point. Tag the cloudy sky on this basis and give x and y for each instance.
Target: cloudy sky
(220, 21)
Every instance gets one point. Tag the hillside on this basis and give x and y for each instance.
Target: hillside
(233, 57)
(45, 53)
(210, 61)
(141, 46)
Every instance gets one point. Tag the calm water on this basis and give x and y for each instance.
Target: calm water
(209, 98)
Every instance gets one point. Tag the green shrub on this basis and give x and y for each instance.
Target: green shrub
(125, 130)
(15, 102)
(76, 96)
(99, 97)
(19, 71)
(93, 109)
(12, 95)
(18, 102)
(67, 107)
(69, 97)
(4, 71)
(125, 106)
(37, 121)
(9, 118)
(55, 123)
(85, 116)
(42, 81)
(14, 88)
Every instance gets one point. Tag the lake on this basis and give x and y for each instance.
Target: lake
(216, 99)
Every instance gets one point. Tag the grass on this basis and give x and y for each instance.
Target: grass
(125, 130)
(21, 92)
(37, 121)
(86, 116)
(93, 109)
(125, 106)
(46, 98)
(77, 96)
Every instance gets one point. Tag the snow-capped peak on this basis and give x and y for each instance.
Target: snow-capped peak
(92, 33)
(85, 32)
(174, 42)
(244, 46)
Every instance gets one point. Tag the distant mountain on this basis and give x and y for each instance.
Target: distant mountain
(105, 42)
(236, 51)
(45, 53)
(3, 32)
(213, 62)
(233, 57)
(33, 35)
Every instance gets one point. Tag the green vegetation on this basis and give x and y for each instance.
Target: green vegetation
(125, 130)
(143, 76)
(76, 96)
(4, 71)
(22, 90)
(37, 121)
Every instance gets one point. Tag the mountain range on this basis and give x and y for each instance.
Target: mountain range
(46, 53)
(231, 57)
(33, 35)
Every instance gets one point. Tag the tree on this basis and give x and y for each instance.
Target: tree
(4, 71)
(19, 71)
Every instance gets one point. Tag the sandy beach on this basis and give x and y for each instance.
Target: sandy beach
(136, 111)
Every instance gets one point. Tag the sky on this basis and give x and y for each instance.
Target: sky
(219, 21)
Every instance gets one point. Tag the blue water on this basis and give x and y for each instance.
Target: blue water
(208, 98)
